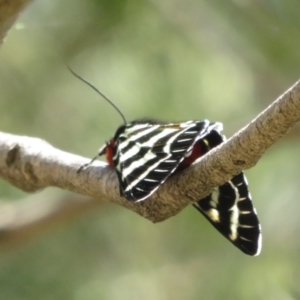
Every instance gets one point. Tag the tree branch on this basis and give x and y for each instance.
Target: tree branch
(9, 12)
(32, 164)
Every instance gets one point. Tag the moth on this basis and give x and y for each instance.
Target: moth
(145, 153)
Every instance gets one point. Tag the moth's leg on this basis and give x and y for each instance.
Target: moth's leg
(100, 153)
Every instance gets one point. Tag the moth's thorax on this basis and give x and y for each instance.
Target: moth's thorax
(109, 150)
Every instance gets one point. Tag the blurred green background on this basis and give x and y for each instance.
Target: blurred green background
(173, 60)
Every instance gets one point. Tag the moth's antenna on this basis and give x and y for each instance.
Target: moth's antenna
(100, 93)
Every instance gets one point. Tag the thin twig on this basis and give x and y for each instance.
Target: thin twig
(9, 12)
(24, 220)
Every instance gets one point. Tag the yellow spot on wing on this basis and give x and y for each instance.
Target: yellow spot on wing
(213, 215)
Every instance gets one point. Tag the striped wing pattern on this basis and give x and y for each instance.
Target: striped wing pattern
(230, 210)
(147, 153)
(229, 207)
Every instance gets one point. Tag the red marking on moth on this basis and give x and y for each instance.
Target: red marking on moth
(188, 160)
(109, 153)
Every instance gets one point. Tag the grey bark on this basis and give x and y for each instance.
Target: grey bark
(32, 164)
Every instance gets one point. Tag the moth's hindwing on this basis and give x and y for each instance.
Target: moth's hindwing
(230, 210)
(147, 154)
